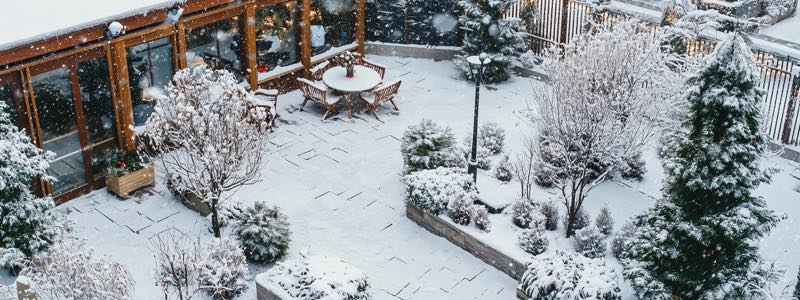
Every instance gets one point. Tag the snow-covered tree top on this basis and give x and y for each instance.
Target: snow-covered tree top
(20, 160)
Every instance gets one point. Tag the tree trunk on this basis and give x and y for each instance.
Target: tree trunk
(570, 223)
(215, 218)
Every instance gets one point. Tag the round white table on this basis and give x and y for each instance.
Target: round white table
(364, 79)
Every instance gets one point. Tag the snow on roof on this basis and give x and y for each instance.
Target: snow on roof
(32, 20)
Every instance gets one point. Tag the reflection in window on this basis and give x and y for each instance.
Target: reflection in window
(276, 36)
(98, 111)
(217, 44)
(149, 71)
(332, 24)
(57, 119)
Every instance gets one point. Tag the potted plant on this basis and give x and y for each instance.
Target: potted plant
(127, 172)
(347, 60)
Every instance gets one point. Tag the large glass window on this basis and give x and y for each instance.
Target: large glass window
(276, 36)
(7, 97)
(59, 128)
(98, 111)
(333, 24)
(149, 72)
(218, 44)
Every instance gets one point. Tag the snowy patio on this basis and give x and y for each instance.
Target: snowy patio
(339, 181)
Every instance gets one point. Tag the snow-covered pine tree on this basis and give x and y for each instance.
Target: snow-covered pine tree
(797, 286)
(489, 32)
(702, 235)
(25, 221)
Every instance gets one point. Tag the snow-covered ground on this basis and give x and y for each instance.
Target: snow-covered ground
(787, 29)
(339, 183)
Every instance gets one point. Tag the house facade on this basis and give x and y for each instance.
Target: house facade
(84, 92)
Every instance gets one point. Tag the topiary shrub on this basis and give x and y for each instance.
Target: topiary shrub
(525, 214)
(533, 241)
(427, 145)
(564, 275)
(604, 221)
(460, 210)
(582, 219)
(589, 242)
(432, 190)
(263, 233)
(550, 212)
(223, 274)
(503, 170)
(491, 137)
(480, 215)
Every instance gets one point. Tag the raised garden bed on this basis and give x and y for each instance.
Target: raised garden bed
(123, 185)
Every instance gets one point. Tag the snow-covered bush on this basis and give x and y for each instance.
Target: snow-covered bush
(71, 270)
(480, 215)
(582, 220)
(550, 212)
(432, 190)
(25, 220)
(502, 171)
(263, 233)
(622, 240)
(604, 221)
(590, 242)
(223, 273)
(460, 210)
(8, 292)
(488, 31)
(526, 214)
(427, 145)
(530, 59)
(209, 133)
(567, 276)
(319, 277)
(492, 137)
(533, 240)
(11, 258)
(633, 167)
(483, 157)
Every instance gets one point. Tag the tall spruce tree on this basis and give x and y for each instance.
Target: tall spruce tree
(488, 32)
(25, 220)
(701, 237)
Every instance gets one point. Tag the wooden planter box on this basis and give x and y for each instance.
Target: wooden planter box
(123, 185)
(194, 202)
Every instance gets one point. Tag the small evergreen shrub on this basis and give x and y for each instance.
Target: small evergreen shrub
(432, 190)
(550, 212)
(525, 214)
(223, 274)
(483, 156)
(503, 170)
(427, 145)
(622, 240)
(582, 219)
(604, 221)
(589, 242)
(263, 233)
(533, 241)
(633, 168)
(565, 275)
(491, 137)
(481, 217)
(460, 210)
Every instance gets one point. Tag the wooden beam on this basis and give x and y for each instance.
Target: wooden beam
(305, 37)
(124, 104)
(361, 26)
(249, 24)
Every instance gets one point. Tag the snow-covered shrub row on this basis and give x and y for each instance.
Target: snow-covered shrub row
(550, 212)
(582, 219)
(223, 273)
(427, 145)
(480, 215)
(433, 190)
(71, 270)
(263, 232)
(503, 170)
(567, 276)
(491, 137)
(533, 240)
(589, 242)
(526, 214)
(460, 210)
(319, 277)
(604, 221)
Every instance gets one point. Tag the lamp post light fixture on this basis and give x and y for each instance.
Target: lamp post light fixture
(477, 64)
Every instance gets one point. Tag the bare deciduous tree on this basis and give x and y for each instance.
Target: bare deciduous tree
(208, 135)
(523, 169)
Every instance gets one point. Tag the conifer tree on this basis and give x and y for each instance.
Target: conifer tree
(703, 234)
(488, 32)
(797, 286)
(25, 221)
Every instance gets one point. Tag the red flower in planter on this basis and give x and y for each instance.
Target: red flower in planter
(121, 164)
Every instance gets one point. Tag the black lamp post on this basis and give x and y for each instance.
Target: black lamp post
(477, 64)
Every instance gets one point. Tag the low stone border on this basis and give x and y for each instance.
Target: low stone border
(455, 235)
(267, 291)
(413, 51)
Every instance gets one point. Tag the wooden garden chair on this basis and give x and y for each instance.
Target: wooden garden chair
(269, 100)
(319, 69)
(381, 94)
(381, 69)
(319, 94)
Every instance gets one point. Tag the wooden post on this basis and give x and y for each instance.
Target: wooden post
(562, 39)
(787, 123)
(250, 44)
(181, 46)
(124, 106)
(305, 37)
(361, 26)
